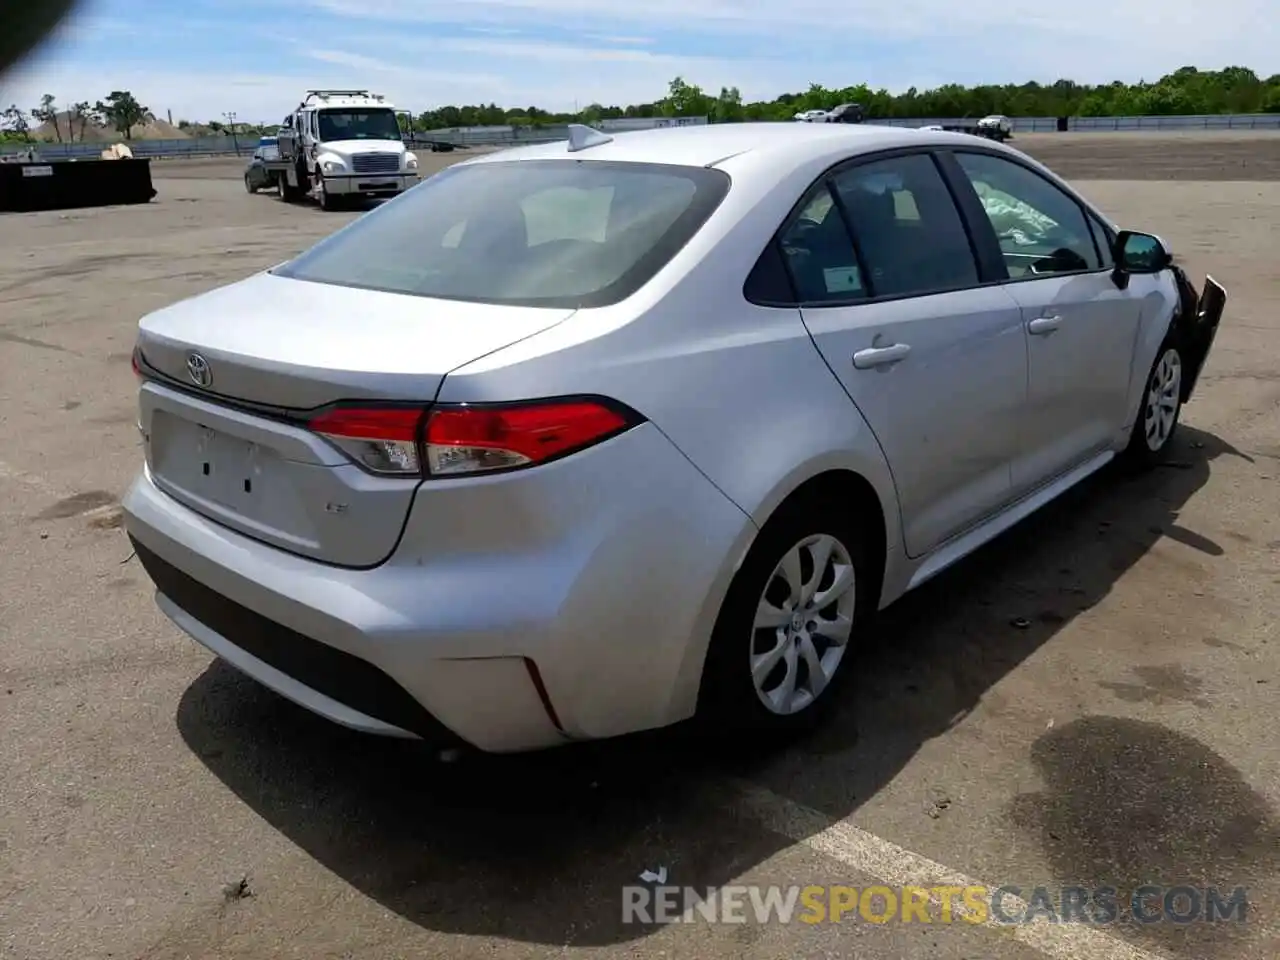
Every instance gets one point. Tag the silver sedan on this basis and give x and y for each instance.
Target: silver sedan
(582, 439)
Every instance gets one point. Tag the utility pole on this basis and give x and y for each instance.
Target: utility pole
(231, 123)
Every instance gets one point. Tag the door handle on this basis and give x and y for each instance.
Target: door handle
(1044, 325)
(880, 356)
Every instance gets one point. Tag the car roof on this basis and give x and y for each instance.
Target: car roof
(710, 144)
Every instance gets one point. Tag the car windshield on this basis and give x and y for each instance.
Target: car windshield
(358, 125)
(552, 233)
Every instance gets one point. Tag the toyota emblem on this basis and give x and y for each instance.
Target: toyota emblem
(198, 370)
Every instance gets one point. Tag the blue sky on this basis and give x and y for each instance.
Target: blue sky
(200, 58)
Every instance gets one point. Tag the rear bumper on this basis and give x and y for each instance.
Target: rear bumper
(604, 571)
(346, 689)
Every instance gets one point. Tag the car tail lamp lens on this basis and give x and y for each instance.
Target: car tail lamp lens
(135, 361)
(381, 439)
(479, 439)
(450, 441)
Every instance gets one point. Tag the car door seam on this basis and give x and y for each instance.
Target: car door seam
(897, 497)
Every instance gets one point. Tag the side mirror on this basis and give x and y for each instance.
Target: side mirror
(1138, 253)
(1141, 252)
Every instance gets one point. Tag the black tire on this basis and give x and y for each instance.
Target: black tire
(1154, 427)
(290, 193)
(328, 202)
(248, 184)
(728, 701)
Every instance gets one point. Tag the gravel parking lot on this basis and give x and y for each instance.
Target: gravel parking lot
(1089, 701)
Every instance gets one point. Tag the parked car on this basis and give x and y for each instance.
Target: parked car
(576, 440)
(812, 116)
(846, 113)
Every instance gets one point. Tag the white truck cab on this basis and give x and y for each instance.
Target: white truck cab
(342, 143)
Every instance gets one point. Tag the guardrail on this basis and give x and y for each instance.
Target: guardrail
(1212, 121)
(515, 136)
(154, 149)
(1020, 124)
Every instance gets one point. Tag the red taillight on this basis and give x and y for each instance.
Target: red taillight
(382, 439)
(135, 361)
(468, 439)
(479, 439)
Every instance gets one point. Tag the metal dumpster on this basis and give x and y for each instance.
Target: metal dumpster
(66, 184)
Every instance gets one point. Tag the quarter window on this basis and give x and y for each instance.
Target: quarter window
(819, 253)
(908, 231)
(1041, 229)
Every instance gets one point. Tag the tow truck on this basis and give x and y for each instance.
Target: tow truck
(996, 127)
(341, 144)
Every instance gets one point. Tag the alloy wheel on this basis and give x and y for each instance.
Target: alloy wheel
(803, 622)
(1164, 394)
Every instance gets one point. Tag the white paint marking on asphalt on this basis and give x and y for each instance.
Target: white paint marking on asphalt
(894, 866)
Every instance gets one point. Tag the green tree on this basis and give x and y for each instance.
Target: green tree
(15, 123)
(1187, 90)
(727, 108)
(685, 100)
(82, 114)
(47, 112)
(123, 111)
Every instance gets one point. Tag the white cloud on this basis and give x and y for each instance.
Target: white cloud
(615, 39)
(565, 55)
(841, 43)
(558, 53)
(190, 95)
(1137, 21)
(560, 76)
(385, 69)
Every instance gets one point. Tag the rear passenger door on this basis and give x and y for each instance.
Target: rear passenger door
(1081, 329)
(889, 288)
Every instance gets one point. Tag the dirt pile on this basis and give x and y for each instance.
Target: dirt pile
(70, 128)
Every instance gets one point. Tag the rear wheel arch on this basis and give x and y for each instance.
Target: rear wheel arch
(856, 516)
(852, 494)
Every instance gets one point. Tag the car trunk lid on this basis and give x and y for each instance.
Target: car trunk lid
(233, 375)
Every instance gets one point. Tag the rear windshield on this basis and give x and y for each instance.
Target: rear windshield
(548, 233)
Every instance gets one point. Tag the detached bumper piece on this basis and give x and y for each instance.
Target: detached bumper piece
(334, 673)
(1203, 330)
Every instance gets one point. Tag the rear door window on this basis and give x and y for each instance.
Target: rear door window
(908, 230)
(554, 233)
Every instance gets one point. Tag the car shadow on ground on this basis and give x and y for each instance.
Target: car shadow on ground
(537, 848)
